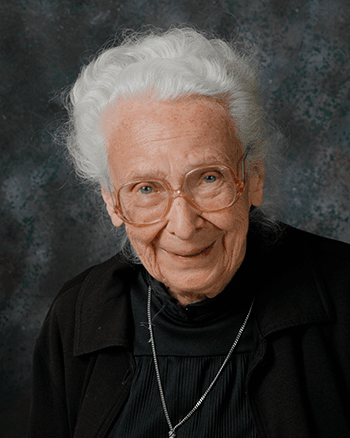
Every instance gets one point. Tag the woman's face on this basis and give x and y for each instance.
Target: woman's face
(194, 254)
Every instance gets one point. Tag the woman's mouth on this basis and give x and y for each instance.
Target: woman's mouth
(204, 251)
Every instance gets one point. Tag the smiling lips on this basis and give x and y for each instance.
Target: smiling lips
(204, 251)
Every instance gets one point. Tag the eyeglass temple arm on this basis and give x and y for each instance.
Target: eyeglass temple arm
(245, 156)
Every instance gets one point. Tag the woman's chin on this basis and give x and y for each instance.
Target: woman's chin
(197, 282)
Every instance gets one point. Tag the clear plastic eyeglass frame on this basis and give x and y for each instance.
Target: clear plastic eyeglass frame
(176, 193)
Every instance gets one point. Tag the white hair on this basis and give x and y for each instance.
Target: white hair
(168, 65)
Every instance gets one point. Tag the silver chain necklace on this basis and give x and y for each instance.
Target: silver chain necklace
(172, 428)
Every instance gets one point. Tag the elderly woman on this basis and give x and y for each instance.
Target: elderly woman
(209, 322)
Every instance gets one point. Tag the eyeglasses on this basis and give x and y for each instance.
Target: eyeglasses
(210, 188)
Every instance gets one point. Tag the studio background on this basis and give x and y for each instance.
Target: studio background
(51, 226)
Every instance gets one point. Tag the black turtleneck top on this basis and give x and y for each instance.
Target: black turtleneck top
(191, 343)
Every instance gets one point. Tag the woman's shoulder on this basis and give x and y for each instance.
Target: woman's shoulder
(327, 261)
(320, 244)
(94, 278)
(85, 300)
(331, 256)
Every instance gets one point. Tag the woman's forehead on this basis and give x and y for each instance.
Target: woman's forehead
(128, 115)
(169, 138)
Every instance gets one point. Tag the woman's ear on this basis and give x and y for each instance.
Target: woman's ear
(117, 221)
(256, 185)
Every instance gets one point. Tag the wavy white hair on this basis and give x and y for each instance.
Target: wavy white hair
(168, 65)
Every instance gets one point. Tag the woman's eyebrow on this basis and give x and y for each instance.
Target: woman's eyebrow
(147, 174)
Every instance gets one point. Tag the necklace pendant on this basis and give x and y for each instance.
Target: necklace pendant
(172, 433)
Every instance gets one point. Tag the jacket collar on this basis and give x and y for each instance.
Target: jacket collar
(292, 291)
(289, 292)
(103, 309)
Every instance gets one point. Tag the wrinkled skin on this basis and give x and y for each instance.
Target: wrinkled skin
(166, 140)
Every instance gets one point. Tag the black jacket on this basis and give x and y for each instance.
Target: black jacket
(298, 383)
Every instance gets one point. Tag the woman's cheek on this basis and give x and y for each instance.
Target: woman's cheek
(145, 250)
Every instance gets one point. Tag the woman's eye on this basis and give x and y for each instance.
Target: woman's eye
(145, 190)
(210, 178)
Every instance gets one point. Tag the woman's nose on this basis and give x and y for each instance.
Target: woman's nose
(183, 219)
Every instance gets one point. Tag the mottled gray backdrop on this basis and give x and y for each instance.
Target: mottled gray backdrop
(51, 227)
